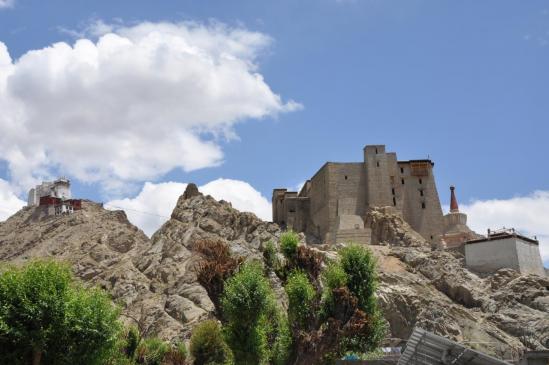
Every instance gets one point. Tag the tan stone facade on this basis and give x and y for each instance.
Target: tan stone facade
(332, 205)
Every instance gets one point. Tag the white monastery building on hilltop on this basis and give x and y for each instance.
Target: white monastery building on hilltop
(54, 196)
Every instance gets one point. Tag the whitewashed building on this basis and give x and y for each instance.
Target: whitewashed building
(504, 249)
(55, 197)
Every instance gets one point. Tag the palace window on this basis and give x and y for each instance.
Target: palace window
(402, 170)
(423, 205)
(402, 180)
(420, 181)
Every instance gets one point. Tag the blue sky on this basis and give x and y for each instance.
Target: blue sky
(465, 83)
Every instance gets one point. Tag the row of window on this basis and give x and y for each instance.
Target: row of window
(420, 181)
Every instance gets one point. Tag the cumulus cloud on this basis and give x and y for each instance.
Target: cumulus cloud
(154, 204)
(9, 202)
(6, 3)
(241, 195)
(529, 214)
(132, 104)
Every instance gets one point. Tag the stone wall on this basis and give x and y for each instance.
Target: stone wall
(511, 252)
(529, 258)
(352, 189)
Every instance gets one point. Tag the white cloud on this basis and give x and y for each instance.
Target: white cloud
(9, 202)
(241, 195)
(132, 105)
(6, 3)
(528, 214)
(154, 204)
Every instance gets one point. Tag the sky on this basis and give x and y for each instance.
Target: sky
(132, 100)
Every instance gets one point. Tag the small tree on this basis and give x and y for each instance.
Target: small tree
(246, 304)
(280, 338)
(349, 319)
(207, 345)
(288, 245)
(301, 294)
(269, 254)
(359, 265)
(217, 265)
(47, 318)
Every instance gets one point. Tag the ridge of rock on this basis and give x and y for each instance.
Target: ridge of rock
(155, 279)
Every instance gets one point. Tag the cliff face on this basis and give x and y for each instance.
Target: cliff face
(155, 279)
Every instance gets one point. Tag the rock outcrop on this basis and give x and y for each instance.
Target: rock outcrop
(155, 279)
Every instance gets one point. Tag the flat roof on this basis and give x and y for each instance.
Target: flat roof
(502, 236)
(425, 160)
(426, 348)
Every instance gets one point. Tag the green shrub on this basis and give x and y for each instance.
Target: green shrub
(269, 255)
(177, 355)
(208, 346)
(300, 298)
(152, 351)
(246, 303)
(132, 341)
(359, 265)
(48, 318)
(282, 344)
(289, 241)
(334, 276)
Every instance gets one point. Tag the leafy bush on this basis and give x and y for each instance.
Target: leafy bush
(47, 318)
(300, 298)
(132, 341)
(207, 344)
(152, 351)
(177, 355)
(281, 339)
(359, 265)
(269, 255)
(246, 303)
(217, 265)
(334, 276)
(289, 241)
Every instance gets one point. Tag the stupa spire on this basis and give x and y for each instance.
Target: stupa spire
(454, 208)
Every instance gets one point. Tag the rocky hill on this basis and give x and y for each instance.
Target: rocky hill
(155, 279)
